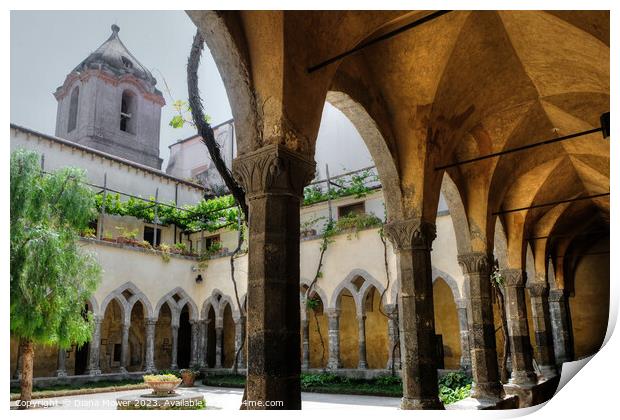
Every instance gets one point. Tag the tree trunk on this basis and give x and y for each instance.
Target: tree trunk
(27, 370)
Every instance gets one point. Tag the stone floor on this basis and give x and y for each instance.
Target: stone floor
(222, 398)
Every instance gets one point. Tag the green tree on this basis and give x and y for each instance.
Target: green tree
(51, 276)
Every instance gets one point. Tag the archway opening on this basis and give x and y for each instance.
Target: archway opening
(163, 338)
(211, 345)
(228, 339)
(81, 352)
(111, 338)
(376, 330)
(446, 325)
(349, 342)
(136, 338)
(184, 342)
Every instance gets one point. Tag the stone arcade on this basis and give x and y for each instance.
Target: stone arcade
(462, 85)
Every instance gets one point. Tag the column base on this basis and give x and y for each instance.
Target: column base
(548, 372)
(93, 372)
(522, 379)
(333, 365)
(122, 370)
(150, 369)
(487, 391)
(421, 404)
(61, 373)
(362, 366)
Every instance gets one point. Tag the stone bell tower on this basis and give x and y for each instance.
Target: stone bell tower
(109, 102)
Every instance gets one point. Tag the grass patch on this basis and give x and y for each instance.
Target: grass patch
(65, 390)
(453, 386)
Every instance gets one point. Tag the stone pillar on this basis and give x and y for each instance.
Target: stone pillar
(333, 339)
(305, 344)
(239, 340)
(361, 334)
(95, 342)
(560, 326)
(61, 368)
(124, 348)
(219, 344)
(393, 341)
(461, 310)
(543, 351)
(149, 336)
(175, 346)
(195, 326)
(273, 178)
(518, 330)
(205, 342)
(483, 353)
(412, 241)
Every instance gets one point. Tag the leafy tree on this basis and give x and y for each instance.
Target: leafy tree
(51, 276)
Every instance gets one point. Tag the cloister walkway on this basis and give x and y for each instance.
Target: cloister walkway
(224, 398)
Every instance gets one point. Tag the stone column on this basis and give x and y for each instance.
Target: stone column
(543, 351)
(195, 326)
(149, 356)
(95, 342)
(461, 310)
(518, 330)
(483, 353)
(61, 368)
(124, 348)
(305, 344)
(175, 346)
(273, 178)
(239, 339)
(333, 339)
(205, 342)
(560, 326)
(219, 344)
(412, 241)
(361, 334)
(393, 342)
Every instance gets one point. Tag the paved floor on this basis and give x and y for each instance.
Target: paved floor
(222, 398)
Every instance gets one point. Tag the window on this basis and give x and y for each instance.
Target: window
(149, 235)
(211, 242)
(128, 111)
(351, 209)
(73, 109)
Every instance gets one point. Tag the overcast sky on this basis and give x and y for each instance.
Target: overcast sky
(47, 45)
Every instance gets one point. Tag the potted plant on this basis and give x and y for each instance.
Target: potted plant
(189, 376)
(162, 385)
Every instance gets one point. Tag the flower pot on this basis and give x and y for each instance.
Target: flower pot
(163, 388)
(188, 378)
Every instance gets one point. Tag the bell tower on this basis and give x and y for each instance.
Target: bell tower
(109, 102)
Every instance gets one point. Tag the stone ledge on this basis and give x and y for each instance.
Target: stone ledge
(80, 379)
(508, 403)
(529, 396)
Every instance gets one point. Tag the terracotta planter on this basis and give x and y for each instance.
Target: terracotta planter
(163, 388)
(188, 378)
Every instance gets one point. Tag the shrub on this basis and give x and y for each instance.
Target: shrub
(169, 372)
(388, 380)
(160, 378)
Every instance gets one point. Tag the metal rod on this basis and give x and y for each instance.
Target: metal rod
(565, 235)
(105, 184)
(155, 218)
(383, 37)
(329, 191)
(342, 175)
(518, 149)
(552, 203)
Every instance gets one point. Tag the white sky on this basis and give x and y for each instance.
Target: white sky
(47, 45)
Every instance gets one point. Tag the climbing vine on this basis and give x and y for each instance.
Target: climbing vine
(497, 282)
(354, 184)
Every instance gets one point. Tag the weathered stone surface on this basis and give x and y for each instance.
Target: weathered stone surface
(518, 330)
(93, 365)
(149, 363)
(477, 269)
(412, 239)
(333, 339)
(361, 322)
(273, 178)
(560, 326)
(543, 350)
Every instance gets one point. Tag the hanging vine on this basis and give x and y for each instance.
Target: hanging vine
(497, 281)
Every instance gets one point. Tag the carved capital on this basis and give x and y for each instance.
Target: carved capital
(513, 277)
(557, 295)
(410, 234)
(537, 289)
(273, 169)
(475, 263)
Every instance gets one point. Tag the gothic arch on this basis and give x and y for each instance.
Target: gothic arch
(176, 306)
(449, 281)
(127, 304)
(319, 291)
(458, 215)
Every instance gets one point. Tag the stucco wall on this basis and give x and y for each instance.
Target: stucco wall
(446, 323)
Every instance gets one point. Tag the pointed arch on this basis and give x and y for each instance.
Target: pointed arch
(177, 305)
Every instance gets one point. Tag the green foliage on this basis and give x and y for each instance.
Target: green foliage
(354, 184)
(209, 215)
(454, 386)
(357, 222)
(169, 372)
(51, 275)
(496, 274)
(183, 109)
(312, 303)
(389, 380)
(309, 380)
(168, 377)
